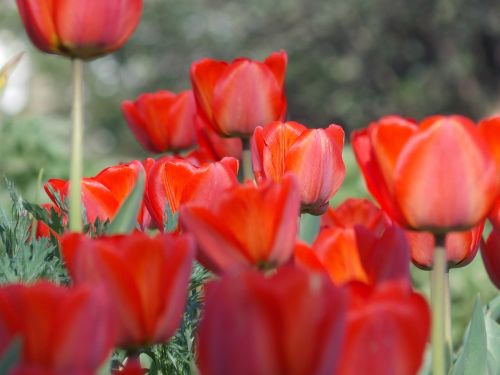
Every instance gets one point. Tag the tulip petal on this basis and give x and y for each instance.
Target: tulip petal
(445, 178)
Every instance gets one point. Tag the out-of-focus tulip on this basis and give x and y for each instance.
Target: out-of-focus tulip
(290, 323)
(490, 128)
(146, 277)
(387, 331)
(173, 181)
(357, 243)
(102, 195)
(80, 29)
(461, 247)
(439, 176)
(215, 146)
(237, 97)
(62, 331)
(7, 69)
(490, 252)
(246, 226)
(132, 367)
(162, 121)
(313, 155)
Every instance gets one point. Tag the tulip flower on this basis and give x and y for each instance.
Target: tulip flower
(214, 146)
(290, 323)
(146, 277)
(102, 195)
(79, 29)
(490, 128)
(245, 226)
(461, 247)
(490, 252)
(438, 177)
(313, 155)
(173, 181)
(162, 121)
(62, 331)
(237, 97)
(387, 331)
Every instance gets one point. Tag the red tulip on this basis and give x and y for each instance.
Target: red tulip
(387, 331)
(237, 97)
(162, 121)
(214, 146)
(80, 29)
(290, 323)
(439, 176)
(461, 247)
(102, 195)
(246, 226)
(490, 252)
(63, 331)
(146, 277)
(313, 155)
(490, 128)
(174, 181)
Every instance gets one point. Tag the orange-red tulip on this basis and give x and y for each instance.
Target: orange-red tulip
(62, 331)
(290, 323)
(237, 97)
(246, 226)
(490, 128)
(439, 176)
(173, 181)
(313, 155)
(79, 29)
(461, 247)
(147, 279)
(214, 146)
(162, 121)
(387, 331)
(103, 195)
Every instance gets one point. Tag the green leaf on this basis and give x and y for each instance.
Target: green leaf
(309, 227)
(11, 356)
(171, 220)
(126, 219)
(472, 360)
(491, 314)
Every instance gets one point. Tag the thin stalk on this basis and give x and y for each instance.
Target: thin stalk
(75, 210)
(36, 201)
(441, 346)
(247, 161)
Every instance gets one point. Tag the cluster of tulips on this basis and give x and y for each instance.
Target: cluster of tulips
(273, 305)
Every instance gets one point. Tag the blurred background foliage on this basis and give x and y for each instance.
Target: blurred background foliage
(350, 62)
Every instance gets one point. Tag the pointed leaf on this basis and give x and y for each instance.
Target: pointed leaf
(11, 356)
(472, 359)
(126, 219)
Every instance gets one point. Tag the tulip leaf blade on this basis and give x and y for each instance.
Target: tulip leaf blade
(11, 356)
(473, 356)
(493, 335)
(126, 219)
(171, 220)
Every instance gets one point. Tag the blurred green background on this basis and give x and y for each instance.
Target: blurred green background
(350, 62)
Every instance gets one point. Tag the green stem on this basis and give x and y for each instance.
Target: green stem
(247, 161)
(75, 210)
(37, 201)
(441, 344)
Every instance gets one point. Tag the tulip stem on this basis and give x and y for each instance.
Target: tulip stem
(75, 210)
(247, 160)
(441, 322)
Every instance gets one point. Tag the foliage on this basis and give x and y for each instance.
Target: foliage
(23, 258)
